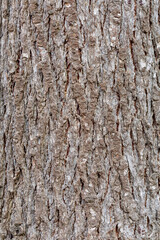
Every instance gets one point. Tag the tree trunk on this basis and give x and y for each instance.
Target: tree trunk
(80, 119)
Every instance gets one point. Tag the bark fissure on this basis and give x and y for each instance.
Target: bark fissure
(80, 119)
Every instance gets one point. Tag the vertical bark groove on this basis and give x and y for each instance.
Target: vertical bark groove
(80, 119)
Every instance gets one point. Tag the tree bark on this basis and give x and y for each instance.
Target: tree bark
(80, 119)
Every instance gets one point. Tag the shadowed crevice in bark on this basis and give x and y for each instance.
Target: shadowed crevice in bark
(80, 119)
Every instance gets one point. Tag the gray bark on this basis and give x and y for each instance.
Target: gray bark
(80, 119)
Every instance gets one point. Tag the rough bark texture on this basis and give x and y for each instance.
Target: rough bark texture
(80, 119)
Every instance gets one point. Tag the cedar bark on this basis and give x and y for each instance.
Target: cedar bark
(80, 119)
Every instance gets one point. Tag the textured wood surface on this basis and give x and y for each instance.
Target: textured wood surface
(79, 119)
